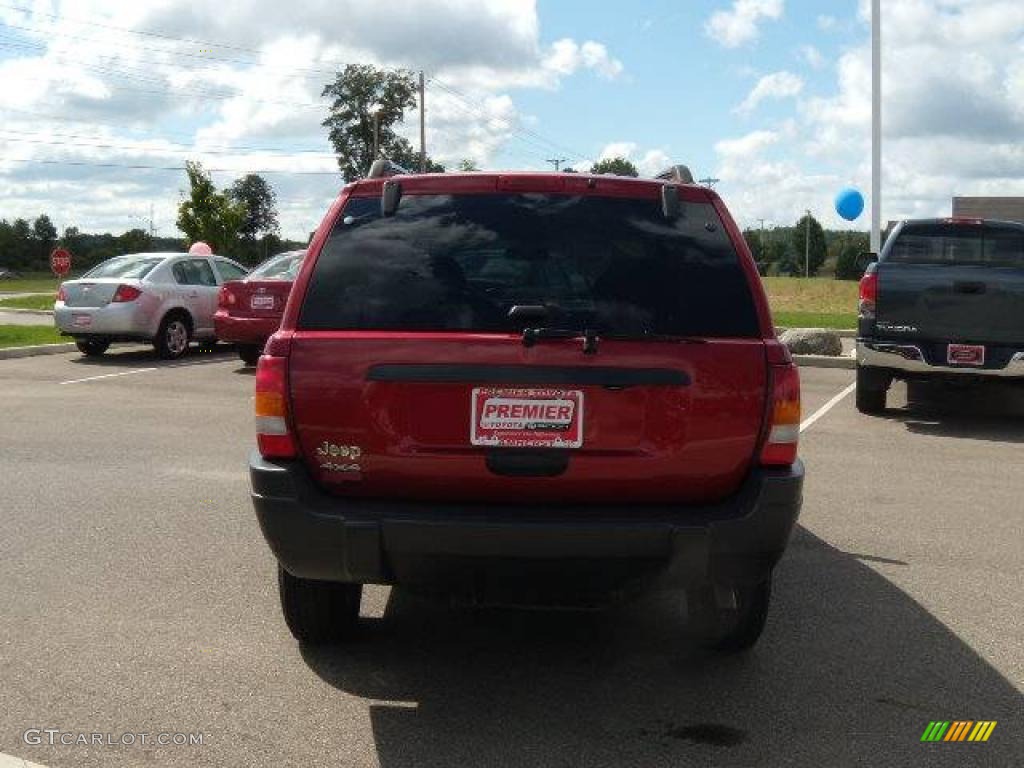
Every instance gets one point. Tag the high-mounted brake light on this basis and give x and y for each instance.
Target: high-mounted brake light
(868, 293)
(780, 446)
(126, 293)
(273, 437)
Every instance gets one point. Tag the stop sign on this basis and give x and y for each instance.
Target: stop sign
(60, 262)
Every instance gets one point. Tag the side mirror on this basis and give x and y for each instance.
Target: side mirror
(390, 195)
(865, 259)
(670, 207)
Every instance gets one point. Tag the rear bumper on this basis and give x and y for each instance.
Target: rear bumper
(127, 319)
(913, 359)
(244, 330)
(318, 536)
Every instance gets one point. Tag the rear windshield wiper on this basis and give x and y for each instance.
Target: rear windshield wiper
(532, 335)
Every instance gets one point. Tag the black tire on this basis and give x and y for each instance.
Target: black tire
(92, 347)
(872, 388)
(318, 612)
(250, 353)
(727, 629)
(169, 343)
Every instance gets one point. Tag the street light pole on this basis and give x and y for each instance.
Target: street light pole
(876, 125)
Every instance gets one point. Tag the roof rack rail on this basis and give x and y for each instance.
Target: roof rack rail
(383, 167)
(677, 173)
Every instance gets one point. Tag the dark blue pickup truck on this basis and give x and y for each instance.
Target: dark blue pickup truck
(945, 299)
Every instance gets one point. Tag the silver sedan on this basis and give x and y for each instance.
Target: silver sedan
(165, 298)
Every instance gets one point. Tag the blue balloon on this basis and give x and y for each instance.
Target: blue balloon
(849, 203)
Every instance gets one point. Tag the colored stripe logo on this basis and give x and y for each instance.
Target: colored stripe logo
(958, 730)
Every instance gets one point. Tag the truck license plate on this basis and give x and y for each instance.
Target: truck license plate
(965, 354)
(527, 418)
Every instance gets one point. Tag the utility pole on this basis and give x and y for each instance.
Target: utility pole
(807, 246)
(557, 161)
(876, 126)
(423, 125)
(152, 229)
(709, 182)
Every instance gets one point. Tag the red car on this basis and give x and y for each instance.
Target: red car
(527, 388)
(249, 310)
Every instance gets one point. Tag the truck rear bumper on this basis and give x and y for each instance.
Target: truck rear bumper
(907, 358)
(318, 536)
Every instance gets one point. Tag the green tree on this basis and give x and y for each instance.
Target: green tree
(468, 164)
(358, 92)
(135, 241)
(260, 201)
(851, 247)
(209, 215)
(21, 232)
(44, 235)
(616, 166)
(817, 250)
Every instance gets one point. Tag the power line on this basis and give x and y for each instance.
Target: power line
(30, 138)
(140, 167)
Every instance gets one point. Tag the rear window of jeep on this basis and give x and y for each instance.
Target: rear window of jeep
(460, 263)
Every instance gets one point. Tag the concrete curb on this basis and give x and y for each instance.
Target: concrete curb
(842, 334)
(11, 353)
(823, 361)
(42, 312)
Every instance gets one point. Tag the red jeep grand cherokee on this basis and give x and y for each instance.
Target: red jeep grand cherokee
(250, 309)
(527, 388)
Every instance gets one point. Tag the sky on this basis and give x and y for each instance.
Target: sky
(102, 102)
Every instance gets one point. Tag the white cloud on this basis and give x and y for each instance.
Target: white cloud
(745, 146)
(826, 23)
(811, 56)
(257, 87)
(776, 86)
(953, 114)
(738, 25)
(566, 56)
(648, 162)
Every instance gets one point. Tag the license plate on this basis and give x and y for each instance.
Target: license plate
(527, 418)
(965, 354)
(80, 321)
(261, 302)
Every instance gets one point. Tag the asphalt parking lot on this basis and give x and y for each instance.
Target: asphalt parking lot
(139, 597)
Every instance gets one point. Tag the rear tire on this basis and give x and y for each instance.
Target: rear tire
(250, 353)
(872, 388)
(728, 629)
(92, 347)
(318, 612)
(173, 336)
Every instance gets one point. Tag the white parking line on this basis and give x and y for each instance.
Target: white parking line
(146, 370)
(109, 375)
(806, 424)
(10, 761)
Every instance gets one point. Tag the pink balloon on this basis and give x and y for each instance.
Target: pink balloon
(200, 249)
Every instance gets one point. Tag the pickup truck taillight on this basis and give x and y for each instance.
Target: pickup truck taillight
(273, 436)
(780, 445)
(126, 293)
(868, 293)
